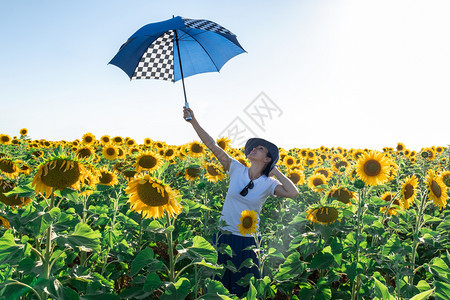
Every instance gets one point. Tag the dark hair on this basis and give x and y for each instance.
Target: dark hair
(268, 168)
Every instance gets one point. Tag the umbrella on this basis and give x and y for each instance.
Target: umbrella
(175, 49)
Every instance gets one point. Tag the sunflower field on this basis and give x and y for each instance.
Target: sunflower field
(110, 218)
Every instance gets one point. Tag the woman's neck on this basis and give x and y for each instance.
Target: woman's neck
(254, 172)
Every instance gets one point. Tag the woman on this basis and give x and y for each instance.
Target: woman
(248, 190)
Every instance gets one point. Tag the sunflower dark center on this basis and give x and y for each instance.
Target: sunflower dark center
(13, 200)
(372, 167)
(408, 191)
(150, 195)
(111, 151)
(196, 148)
(129, 173)
(221, 144)
(436, 189)
(323, 172)
(341, 163)
(105, 177)
(56, 174)
(388, 198)
(327, 214)
(317, 181)
(247, 222)
(7, 166)
(147, 161)
(5, 138)
(212, 171)
(193, 172)
(85, 152)
(290, 161)
(88, 139)
(342, 195)
(169, 152)
(446, 180)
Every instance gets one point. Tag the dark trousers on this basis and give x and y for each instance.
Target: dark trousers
(237, 244)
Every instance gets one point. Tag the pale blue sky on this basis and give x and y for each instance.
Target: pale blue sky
(343, 73)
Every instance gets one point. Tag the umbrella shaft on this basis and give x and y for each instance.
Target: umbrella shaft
(181, 67)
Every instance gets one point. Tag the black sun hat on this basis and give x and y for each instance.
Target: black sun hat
(272, 148)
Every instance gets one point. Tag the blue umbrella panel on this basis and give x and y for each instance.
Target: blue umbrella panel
(176, 48)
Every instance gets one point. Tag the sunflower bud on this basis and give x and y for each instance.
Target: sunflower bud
(359, 184)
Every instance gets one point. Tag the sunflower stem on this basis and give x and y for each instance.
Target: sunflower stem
(170, 250)
(140, 234)
(356, 283)
(48, 247)
(418, 225)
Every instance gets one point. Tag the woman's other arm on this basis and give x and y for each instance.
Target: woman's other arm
(287, 188)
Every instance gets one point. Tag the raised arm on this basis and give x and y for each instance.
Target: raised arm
(218, 152)
(287, 188)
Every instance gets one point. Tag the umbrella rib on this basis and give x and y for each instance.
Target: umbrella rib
(203, 50)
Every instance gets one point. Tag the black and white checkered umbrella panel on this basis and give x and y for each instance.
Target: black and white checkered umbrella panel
(157, 62)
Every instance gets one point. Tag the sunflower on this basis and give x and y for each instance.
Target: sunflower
(23, 131)
(159, 145)
(129, 174)
(310, 162)
(13, 200)
(439, 149)
(107, 177)
(408, 191)
(224, 142)
(192, 173)
(427, 153)
(84, 152)
(110, 151)
(152, 198)
(437, 189)
(324, 215)
(8, 168)
(121, 152)
(196, 149)
(88, 138)
(249, 221)
(297, 177)
(4, 223)
(148, 160)
(169, 153)
(327, 172)
(58, 173)
(25, 169)
(130, 142)
(289, 161)
(316, 180)
(117, 140)
(5, 139)
(340, 166)
(105, 139)
(342, 195)
(393, 169)
(400, 147)
(214, 172)
(445, 178)
(373, 168)
(304, 152)
(387, 197)
(148, 142)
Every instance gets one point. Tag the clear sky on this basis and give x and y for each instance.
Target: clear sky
(343, 73)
